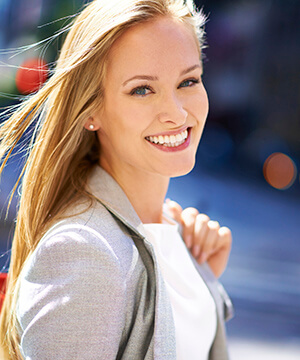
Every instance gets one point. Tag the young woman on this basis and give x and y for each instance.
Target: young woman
(98, 270)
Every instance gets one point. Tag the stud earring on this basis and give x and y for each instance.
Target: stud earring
(91, 127)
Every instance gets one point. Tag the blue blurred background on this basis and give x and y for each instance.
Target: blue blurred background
(247, 172)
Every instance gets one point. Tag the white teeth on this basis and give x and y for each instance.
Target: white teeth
(178, 138)
(170, 141)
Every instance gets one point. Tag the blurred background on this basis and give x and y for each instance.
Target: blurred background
(248, 163)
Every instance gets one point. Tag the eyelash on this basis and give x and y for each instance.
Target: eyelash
(194, 81)
(142, 87)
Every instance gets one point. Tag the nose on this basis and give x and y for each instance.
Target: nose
(172, 110)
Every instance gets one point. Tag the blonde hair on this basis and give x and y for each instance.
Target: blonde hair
(62, 153)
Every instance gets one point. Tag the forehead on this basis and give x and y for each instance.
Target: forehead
(160, 45)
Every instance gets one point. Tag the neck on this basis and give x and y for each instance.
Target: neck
(145, 191)
(147, 198)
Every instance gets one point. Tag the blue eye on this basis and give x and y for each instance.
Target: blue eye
(189, 82)
(140, 90)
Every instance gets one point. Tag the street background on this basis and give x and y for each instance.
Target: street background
(248, 162)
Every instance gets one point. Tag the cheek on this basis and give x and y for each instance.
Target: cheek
(198, 106)
(136, 117)
(203, 100)
(121, 124)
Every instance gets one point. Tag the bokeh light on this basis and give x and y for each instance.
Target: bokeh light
(280, 171)
(31, 75)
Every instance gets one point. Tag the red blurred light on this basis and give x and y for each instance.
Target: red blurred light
(31, 75)
(3, 279)
(280, 171)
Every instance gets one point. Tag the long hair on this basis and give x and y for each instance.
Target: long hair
(62, 152)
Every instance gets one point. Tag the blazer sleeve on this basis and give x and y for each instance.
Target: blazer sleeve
(72, 299)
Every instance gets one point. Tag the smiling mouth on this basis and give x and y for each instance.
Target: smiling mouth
(169, 140)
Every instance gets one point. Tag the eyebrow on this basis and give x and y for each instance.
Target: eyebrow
(155, 78)
(191, 68)
(141, 77)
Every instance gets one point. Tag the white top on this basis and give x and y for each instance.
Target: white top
(194, 309)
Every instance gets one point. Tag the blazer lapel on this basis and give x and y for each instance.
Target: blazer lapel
(108, 192)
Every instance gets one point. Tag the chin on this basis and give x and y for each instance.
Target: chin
(182, 170)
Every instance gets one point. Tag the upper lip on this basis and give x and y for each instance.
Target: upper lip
(168, 133)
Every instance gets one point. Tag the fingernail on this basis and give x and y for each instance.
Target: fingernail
(203, 258)
(196, 250)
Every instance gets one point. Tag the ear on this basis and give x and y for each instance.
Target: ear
(92, 124)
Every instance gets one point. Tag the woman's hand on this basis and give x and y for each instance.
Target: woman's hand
(205, 238)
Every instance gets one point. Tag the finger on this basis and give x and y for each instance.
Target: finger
(210, 241)
(200, 231)
(225, 238)
(219, 259)
(173, 209)
(223, 241)
(188, 218)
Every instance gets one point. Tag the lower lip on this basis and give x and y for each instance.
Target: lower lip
(174, 148)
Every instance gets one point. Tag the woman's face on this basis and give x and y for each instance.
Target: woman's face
(155, 105)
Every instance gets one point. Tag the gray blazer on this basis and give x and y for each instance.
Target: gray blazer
(92, 289)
